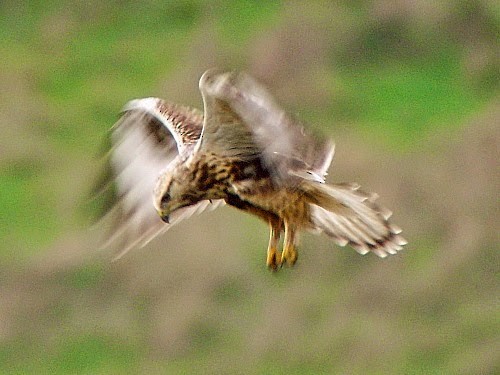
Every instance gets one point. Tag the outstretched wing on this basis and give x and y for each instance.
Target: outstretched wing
(243, 121)
(145, 140)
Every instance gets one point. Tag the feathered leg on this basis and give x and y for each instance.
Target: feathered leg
(289, 254)
(272, 254)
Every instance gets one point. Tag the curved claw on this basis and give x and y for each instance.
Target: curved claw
(273, 259)
(289, 256)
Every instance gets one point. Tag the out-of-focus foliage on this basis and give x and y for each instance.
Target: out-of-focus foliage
(408, 89)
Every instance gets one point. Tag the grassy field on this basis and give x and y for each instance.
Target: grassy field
(409, 93)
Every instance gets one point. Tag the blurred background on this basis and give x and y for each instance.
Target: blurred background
(409, 90)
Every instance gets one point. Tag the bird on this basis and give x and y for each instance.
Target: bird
(165, 162)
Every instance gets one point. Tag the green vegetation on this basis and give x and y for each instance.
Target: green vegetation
(392, 77)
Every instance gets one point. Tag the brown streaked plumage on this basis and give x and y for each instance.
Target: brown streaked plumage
(244, 151)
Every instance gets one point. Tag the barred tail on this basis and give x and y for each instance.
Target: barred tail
(351, 217)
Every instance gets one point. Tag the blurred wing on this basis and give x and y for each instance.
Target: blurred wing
(144, 141)
(242, 120)
(184, 123)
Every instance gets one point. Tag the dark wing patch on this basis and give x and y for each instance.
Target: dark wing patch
(184, 123)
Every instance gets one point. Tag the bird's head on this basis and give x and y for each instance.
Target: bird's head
(172, 192)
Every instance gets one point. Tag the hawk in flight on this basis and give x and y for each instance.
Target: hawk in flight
(167, 162)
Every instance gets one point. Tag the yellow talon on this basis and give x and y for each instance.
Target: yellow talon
(289, 254)
(273, 259)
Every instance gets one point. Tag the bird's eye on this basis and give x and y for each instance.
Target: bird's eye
(165, 199)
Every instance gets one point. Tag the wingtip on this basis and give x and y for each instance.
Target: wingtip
(208, 77)
(145, 104)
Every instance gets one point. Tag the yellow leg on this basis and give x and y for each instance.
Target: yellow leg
(289, 254)
(273, 257)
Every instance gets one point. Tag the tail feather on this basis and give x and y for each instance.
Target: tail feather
(351, 217)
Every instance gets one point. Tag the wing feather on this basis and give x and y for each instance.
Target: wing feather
(242, 120)
(144, 141)
(184, 123)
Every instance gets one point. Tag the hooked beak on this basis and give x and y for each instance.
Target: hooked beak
(165, 218)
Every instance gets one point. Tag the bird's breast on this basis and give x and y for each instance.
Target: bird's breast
(287, 203)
